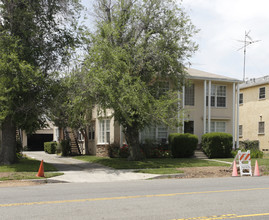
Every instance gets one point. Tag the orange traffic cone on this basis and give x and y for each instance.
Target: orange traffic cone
(256, 170)
(234, 170)
(41, 170)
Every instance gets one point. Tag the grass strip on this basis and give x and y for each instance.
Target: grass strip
(123, 163)
(26, 168)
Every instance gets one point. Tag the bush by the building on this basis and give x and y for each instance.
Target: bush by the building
(50, 147)
(65, 147)
(182, 145)
(217, 144)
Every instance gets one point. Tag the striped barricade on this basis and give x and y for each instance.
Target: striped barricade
(244, 163)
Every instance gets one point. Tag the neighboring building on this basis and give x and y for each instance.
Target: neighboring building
(254, 116)
(202, 115)
(36, 141)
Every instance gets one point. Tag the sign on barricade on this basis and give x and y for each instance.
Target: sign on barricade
(244, 161)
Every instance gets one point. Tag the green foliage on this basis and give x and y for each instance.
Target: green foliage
(217, 145)
(124, 151)
(50, 147)
(183, 145)
(249, 145)
(253, 153)
(113, 150)
(37, 38)
(65, 147)
(152, 149)
(137, 45)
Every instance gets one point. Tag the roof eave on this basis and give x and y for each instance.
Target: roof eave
(214, 79)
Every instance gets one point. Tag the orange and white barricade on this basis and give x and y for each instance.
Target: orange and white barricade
(244, 163)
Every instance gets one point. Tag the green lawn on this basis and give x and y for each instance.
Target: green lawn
(26, 169)
(122, 163)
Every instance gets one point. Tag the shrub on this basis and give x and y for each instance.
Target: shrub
(217, 144)
(253, 153)
(113, 150)
(124, 151)
(249, 145)
(65, 147)
(50, 147)
(183, 145)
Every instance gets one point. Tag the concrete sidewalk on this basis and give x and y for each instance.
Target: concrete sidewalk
(77, 171)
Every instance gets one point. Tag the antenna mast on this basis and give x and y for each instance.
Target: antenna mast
(248, 40)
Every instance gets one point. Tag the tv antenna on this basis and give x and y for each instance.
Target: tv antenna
(248, 40)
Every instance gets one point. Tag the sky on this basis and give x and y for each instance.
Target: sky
(222, 25)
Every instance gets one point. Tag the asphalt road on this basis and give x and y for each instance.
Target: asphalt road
(218, 198)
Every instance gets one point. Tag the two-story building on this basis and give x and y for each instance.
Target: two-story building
(253, 108)
(202, 114)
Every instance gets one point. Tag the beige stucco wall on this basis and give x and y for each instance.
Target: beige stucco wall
(251, 112)
(114, 128)
(196, 113)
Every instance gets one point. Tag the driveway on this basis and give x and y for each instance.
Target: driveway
(77, 171)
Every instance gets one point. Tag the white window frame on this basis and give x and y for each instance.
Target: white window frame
(214, 93)
(214, 128)
(190, 95)
(154, 132)
(261, 130)
(104, 131)
(262, 94)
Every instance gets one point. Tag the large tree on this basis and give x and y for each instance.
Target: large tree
(139, 45)
(36, 39)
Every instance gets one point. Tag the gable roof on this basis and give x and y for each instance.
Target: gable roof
(202, 75)
(255, 82)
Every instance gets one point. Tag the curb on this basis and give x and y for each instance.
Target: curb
(167, 176)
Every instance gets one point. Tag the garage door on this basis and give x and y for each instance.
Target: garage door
(35, 142)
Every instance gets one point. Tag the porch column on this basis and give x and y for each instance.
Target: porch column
(237, 124)
(209, 106)
(178, 110)
(233, 116)
(183, 106)
(205, 84)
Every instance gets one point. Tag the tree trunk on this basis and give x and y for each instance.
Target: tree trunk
(8, 148)
(132, 138)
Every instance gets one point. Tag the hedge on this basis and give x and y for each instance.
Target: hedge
(65, 147)
(182, 145)
(217, 145)
(249, 144)
(50, 147)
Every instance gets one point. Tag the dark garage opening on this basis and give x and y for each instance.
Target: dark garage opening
(35, 142)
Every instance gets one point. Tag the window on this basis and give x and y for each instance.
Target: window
(189, 95)
(261, 127)
(104, 131)
(158, 133)
(189, 127)
(218, 96)
(262, 93)
(91, 132)
(240, 130)
(216, 126)
(241, 96)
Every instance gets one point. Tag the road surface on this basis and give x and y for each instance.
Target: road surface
(166, 199)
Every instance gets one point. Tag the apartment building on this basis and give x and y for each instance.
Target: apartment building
(202, 114)
(253, 108)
